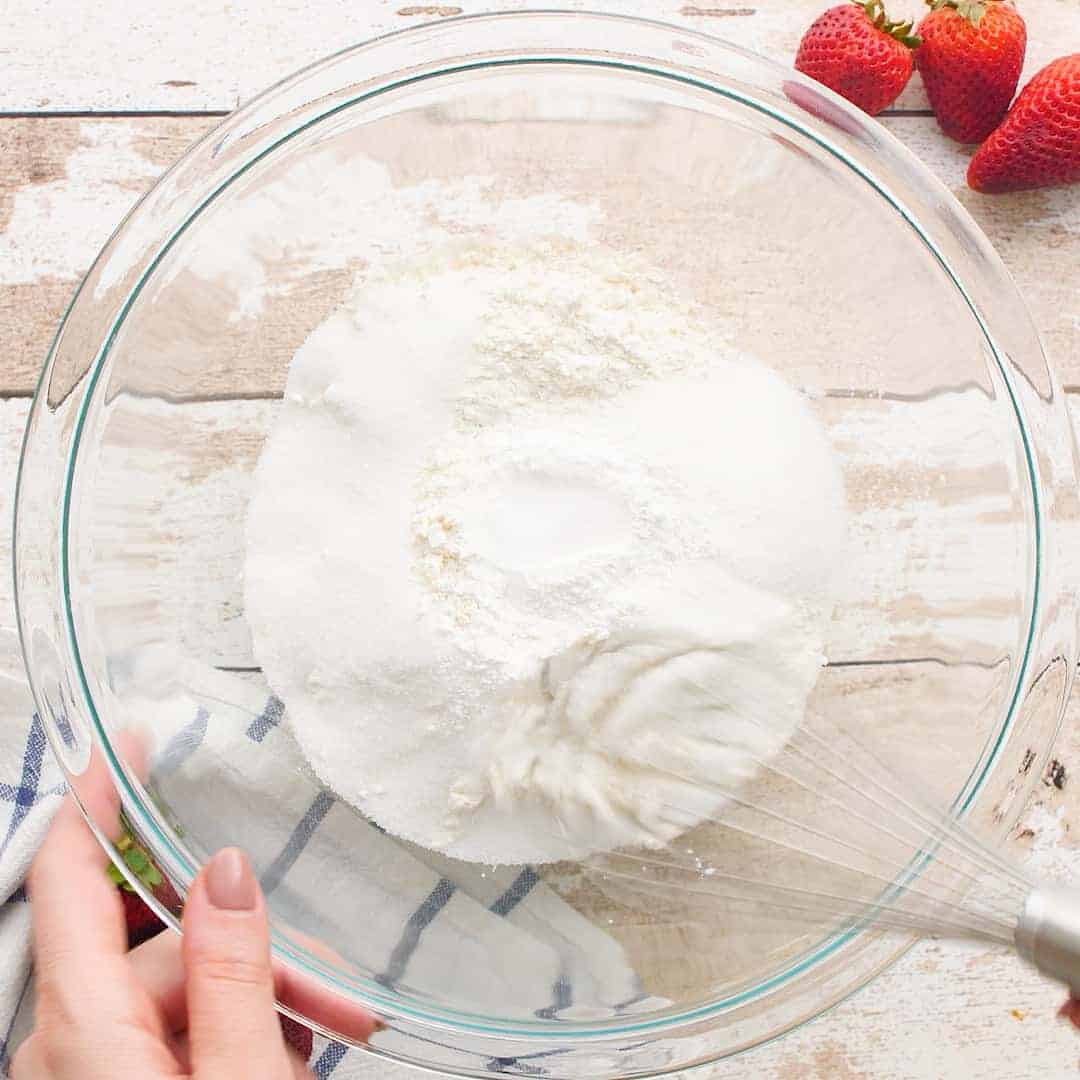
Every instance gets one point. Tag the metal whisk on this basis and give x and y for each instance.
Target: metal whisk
(827, 831)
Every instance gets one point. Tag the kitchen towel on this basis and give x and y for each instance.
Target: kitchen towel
(221, 748)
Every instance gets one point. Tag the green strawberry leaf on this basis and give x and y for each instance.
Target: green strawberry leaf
(137, 860)
(901, 31)
(117, 878)
(972, 10)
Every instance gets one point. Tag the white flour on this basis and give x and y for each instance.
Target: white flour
(533, 552)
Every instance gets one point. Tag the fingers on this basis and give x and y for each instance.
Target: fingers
(78, 917)
(95, 791)
(27, 1062)
(80, 941)
(232, 1023)
(158, 965)
(77, 913)
(181, 1050)
(300, 1071)
(329, 1010)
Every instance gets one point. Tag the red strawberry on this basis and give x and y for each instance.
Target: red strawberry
(970, 59)
(142, 923)
(1038, 143)
(166, 896)
(854, 50)
(297, 1036)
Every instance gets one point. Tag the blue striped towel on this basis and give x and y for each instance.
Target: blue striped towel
(223, 752)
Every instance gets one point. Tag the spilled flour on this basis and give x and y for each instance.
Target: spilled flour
(534, 552)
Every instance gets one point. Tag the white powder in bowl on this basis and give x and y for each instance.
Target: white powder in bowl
(537, 561)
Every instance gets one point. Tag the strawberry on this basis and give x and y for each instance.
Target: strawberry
(142, 923)
(970, 59)
(856, 51)
(166, 896)
(297, 1036)
(1038, 143)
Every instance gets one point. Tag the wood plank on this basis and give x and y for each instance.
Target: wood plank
(953, 1008)
(944, 1010)
(65, 184)
(933, 570)
(1036, 233)
(207, 55)
(948, 1009)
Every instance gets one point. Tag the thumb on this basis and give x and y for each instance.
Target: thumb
(232, 1023)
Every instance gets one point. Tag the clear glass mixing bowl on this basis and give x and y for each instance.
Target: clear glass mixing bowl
(825, 248)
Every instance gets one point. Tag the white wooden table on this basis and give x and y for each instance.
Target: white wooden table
(99, 96)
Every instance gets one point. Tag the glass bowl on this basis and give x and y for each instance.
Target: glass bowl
(805, 230)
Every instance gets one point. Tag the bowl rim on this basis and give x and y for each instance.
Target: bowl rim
(445, 1017)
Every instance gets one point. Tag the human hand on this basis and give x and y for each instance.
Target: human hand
(199, 1007)
(103, 1012)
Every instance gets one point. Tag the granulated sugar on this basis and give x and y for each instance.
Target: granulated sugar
(533, 550)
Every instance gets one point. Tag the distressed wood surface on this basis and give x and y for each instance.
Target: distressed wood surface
(65, 182)
(172, 483)
(943, 1011)
(64, 186)
(1036, 233)
(102, 55)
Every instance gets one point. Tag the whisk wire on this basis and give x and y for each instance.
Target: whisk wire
(942, 819)
(957, 886)
(850, 811)
(930, 843)
(823, 903)
(898, 865)
(907, 890)
(932, 824)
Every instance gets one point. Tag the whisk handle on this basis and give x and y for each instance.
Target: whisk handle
(1048, 934)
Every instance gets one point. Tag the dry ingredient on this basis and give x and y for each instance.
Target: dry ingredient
(537, 560)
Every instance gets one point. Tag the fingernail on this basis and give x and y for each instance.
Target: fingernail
(230, 882)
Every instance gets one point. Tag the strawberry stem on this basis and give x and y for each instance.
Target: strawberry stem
(902, 31)
(137, 860)
(972, 10)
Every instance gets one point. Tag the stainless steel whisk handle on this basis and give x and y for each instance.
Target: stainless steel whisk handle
(1048, 933)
